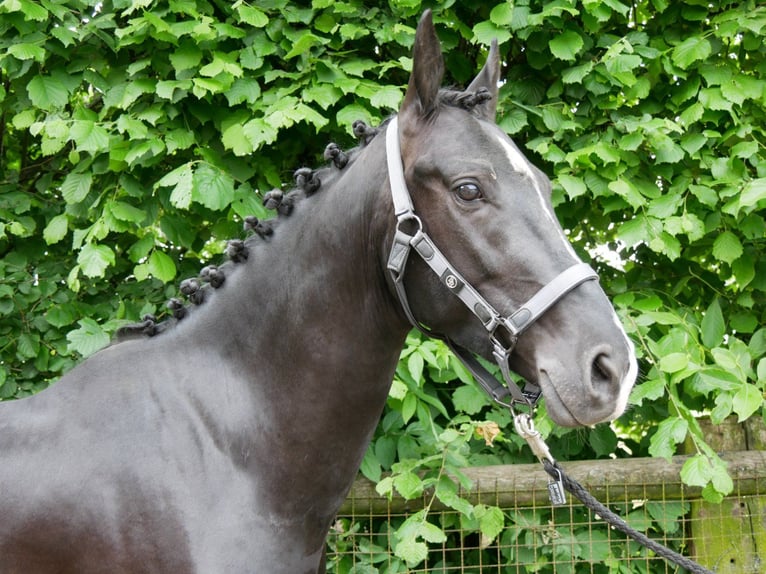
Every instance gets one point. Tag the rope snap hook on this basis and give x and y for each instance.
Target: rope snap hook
(525, 427)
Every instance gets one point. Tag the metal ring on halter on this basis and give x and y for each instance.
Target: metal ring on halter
(406, 217)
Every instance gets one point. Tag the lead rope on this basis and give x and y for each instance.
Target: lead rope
(560, 481)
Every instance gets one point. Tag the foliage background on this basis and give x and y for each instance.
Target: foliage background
(136, 134)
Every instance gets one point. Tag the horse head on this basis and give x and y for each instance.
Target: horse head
(488, 210)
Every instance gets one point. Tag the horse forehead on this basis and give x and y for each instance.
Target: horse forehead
(520, 164)
(509, 152)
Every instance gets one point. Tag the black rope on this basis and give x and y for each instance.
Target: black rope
(578, 490)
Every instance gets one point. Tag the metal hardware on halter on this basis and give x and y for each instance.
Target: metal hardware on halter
(510, 327)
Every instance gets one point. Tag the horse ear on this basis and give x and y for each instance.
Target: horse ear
(422, 94)
(488, 78)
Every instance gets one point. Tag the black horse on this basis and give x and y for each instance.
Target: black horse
(226, 442)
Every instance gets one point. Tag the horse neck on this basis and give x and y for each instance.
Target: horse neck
(314, 295)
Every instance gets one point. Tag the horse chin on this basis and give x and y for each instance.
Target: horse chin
(570, 403)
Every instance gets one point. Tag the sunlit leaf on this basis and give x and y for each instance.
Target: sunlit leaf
(94, 259)
(727, 247)
(56, 229)
(713, 325)
(76, 186)
(47, 92)
(691, 50)
(88, 338)
(566, 45)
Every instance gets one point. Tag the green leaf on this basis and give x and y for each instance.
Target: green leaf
(181, 179)
(513, 121)
(89, 136)
(94, 259)
(252, 16)
(574, 186)
(666, 150)
(603, 440)
(212, 187)
(56, 229)
(651, 390)
(385, 486)
(673, 362)
(303, 44)
(235, 139)
(469, 399)
(721, 480)
(502, 14)
(757, 345)
(244, 90)
(387, 97)
(692, 114)
(670, 432)
(491, 521)
(411, 551)
(431, 533)
(713, 325)
(60, 315)
(47, 92)
(24, 51)
(704, 194)
(628, 191)
(370, 467)
(409, 406)
(27, 346)
(259, 132)
(31, 10)
(326, 95)
(408, 485)
(691, 50)
(746, 401)
(187, 56)
(638, 520)
(415, 365)
(166, 89)
(566, 45)
(727, 247)
(161, 266)
(753, 192)
(76, 187)
(485, 32)
(576, 74)
(126, 212)
(88, 338)
(697, 471)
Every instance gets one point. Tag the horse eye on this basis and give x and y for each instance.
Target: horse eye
(468, 192)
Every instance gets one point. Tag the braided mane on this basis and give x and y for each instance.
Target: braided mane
(196, 290)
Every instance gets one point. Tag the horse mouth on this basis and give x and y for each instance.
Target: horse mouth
(574, 408)
(554, 404)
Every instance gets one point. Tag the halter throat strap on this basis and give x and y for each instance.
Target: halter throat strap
(503, 331)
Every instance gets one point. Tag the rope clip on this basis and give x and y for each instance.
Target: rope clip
(525, 426)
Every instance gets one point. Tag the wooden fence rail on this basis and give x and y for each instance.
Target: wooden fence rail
(728, 538)
(619, 480)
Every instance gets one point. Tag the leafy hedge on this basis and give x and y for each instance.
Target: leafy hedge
(136, 134)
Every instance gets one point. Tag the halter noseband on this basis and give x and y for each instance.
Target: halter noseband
(503, 332)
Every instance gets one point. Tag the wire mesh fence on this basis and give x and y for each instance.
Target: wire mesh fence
(727, 538)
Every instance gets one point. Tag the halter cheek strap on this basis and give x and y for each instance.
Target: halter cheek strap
(503, 331)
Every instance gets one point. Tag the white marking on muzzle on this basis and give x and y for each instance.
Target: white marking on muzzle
(626, 384)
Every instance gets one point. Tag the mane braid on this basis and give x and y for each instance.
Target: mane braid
(464, 99)
(197, 290)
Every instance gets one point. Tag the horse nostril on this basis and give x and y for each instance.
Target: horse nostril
(603, 370)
